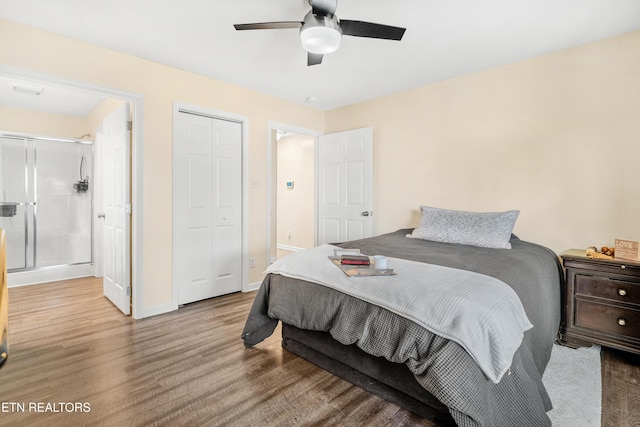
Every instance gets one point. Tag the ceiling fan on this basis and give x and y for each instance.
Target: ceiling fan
(321, 30)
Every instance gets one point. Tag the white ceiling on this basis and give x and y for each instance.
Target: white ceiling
(444, 39)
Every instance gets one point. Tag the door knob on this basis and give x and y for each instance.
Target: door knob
(101, 215)
(367, 213)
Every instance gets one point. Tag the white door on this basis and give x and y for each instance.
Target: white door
(116, 151)
(345, 186)
(207, 234)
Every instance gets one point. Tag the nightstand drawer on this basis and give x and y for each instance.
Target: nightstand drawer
(617, 290)
(607, 318)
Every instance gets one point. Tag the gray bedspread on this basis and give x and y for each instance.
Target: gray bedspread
(441, 366)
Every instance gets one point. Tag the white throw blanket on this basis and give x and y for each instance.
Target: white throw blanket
(481, 313)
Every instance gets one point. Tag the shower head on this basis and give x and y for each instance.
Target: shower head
(82, 186)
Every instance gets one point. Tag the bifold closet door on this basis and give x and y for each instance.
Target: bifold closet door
(207, 210)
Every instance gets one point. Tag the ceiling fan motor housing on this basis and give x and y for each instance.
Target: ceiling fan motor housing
(320, 34)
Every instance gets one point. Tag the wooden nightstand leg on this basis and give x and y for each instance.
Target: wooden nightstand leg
(572, 342)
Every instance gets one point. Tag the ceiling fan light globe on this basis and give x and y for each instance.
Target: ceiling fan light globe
(320, 40)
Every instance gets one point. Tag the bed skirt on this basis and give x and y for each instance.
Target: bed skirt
(391, 381)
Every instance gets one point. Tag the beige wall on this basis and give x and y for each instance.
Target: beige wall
(95, 118)
(557, 137)
(42, 52)
(39, 123)
(56, 125)
(296, 162)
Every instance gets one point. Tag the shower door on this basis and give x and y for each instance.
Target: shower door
(45, 202)
(16, 209)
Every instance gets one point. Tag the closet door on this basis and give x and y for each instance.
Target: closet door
(207, 207)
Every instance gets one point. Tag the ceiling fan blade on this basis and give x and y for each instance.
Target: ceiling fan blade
(370, 29)
(314, 59)
(269, 25)
(324, 7)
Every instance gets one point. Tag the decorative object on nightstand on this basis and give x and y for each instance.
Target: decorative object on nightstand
(627, 250)
(604, 253)
(601, 302)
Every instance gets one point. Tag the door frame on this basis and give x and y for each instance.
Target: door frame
(244, 163)
(272, 127)
(137, 156)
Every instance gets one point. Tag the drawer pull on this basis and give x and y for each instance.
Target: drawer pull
(623, 267)
(622, 321)
(622, 292)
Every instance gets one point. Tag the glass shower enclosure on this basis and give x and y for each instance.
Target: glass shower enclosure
(45, 201)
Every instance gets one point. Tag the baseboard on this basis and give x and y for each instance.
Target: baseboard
(156, 310)
(289, 248)
(166, 308)
(252, 287)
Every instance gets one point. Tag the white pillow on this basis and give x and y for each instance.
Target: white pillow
(484, 229)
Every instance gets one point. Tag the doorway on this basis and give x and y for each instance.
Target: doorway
(291, 190)
(135, 100)
(343, 186)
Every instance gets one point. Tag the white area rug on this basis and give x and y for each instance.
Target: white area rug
(573, 381)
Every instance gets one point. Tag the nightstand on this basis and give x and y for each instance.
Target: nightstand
(601, 302)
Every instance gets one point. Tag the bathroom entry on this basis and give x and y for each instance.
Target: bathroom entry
(86, 105)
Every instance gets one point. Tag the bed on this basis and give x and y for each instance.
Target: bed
(402, 361)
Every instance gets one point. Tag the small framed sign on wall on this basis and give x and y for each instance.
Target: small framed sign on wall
(289, 185)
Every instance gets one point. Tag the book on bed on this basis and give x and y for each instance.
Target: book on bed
(355, 260)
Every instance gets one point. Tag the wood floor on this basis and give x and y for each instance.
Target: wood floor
(72, 350)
